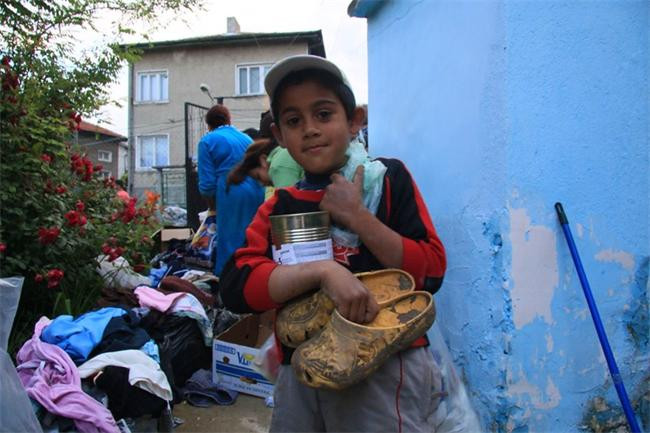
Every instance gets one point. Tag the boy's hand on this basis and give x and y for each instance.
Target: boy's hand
(352, 299)
(344, 199)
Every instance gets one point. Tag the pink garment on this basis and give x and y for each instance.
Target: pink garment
(50, 377)
(152, 298)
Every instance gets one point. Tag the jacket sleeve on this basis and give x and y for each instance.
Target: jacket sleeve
(423, 252)
(207, 170)
(244, 282)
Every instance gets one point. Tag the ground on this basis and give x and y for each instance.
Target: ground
(247, 415)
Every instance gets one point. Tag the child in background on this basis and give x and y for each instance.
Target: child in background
(283, 169)
(255, 165)
(381, 222)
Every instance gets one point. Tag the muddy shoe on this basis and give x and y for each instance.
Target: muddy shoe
(304, 317)
(345, 353)
(387, 283)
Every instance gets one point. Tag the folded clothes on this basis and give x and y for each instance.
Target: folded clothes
(200, 391)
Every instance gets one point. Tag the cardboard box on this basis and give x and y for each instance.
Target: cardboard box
(234, 350)
(163, 236)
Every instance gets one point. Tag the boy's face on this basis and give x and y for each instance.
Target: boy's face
(314, 128)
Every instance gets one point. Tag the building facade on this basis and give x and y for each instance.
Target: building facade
(231, 67)
(500, 109)
(104, 147)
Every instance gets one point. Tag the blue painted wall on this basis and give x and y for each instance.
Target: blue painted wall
(500, 109)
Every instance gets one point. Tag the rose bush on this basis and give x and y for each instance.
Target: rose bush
(56, 214)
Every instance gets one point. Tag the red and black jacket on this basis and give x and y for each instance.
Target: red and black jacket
(244, 280)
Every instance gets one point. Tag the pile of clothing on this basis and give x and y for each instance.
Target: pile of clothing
(129, 360)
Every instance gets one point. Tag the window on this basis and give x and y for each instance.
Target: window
(250, 79)
(152, 87)
(152, 151)
(104, 156)
(105, 174)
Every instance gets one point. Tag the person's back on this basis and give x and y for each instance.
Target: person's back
(227, 146)
(380, 222)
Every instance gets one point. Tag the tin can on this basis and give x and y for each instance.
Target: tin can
(301, 237)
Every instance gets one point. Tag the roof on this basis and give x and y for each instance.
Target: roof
(314, 41)
(364, 8)
(96, 129)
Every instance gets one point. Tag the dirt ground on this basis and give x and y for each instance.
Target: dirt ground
(247, 415)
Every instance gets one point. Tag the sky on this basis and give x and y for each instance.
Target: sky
(344, 37)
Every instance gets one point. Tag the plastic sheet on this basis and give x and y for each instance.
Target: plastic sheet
(174, 216)
(16, 413)
(10, 289)
(454, 413)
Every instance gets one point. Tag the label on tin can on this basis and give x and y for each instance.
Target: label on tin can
(303, 252)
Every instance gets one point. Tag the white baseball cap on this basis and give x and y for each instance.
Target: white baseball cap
(298, 63)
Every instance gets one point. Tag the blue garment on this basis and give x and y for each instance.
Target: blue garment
(151, 349)
(220, 150)
(78, 337)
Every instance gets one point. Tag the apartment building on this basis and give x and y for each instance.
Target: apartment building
(167, 103)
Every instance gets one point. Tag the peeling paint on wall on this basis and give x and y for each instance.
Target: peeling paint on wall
(547, 399)
(621, 257)
(534, 269)
(549, 343)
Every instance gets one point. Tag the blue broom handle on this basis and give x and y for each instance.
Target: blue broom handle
(600, 330)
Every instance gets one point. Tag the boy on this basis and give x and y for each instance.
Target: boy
(316, 120)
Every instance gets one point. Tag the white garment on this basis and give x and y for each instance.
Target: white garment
(119, 273)
(144, 372)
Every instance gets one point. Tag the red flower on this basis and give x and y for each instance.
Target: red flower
(38, 278)
(106, 249)
(46, 158)
(3, 247)
(48, 236)
(77, 118)
(110, 182)
(54, 277)
(80, 206)
(82, 220)
(98, 167)
(61, 189)
(129, 211)
(73, 217)
(6, 60)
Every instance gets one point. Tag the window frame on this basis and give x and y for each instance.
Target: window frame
(138, 88)
(138, 151)
(105, 174)
(248, 66)
(99, 156)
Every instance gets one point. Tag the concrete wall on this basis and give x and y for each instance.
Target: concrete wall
(187, 68)
(500, 109)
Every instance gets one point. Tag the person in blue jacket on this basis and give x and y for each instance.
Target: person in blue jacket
(219, 150)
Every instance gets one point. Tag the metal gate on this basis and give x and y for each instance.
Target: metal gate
(195, 128)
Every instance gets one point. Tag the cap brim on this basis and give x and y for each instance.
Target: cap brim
(298, 63)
